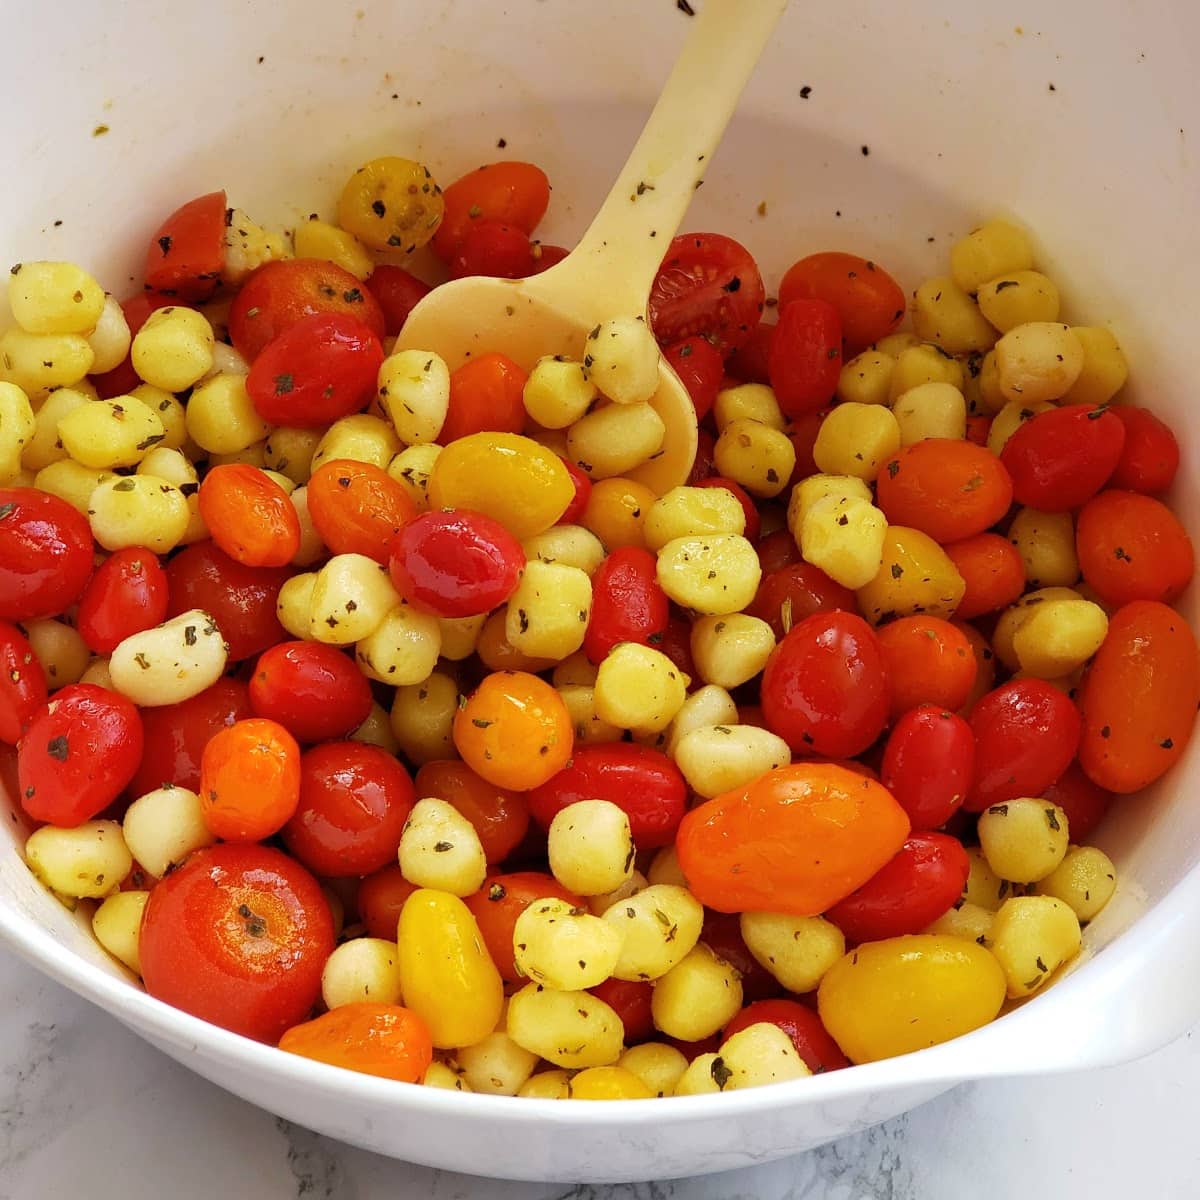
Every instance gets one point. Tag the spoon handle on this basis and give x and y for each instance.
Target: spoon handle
(610, 272)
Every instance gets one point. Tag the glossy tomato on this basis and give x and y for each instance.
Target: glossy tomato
(381, 896)
(455, 563)
(354, 801)
(1026, 734)
(485, 395)
(676, 643)
(358, 508)
(22, 683)
(249, 515)
(642, 782)
(238, 936)
(787, 595)
(628, 605)
(498, 904)
(322, 368)
(928, 764)
(811, 1039)
(509, 193)
(315, 691)
(1150, 457)
(825, 687)
(45, 554)
(500, 817)
(700, 368)
(397, 293)
(281, 293)
(992, 569)
(176, 734)
(805, 356)
(928, 661)
(239, 598)
(1061, 458)
(922, 882)
(77, 754)
(796, 840)
(869, 302)
(386, 1040)
(127, 594)
(187, 251)
(708, 286)
(493, 249)
(249, 780)
(583, 493)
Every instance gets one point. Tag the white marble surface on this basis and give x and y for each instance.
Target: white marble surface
(88, 1110)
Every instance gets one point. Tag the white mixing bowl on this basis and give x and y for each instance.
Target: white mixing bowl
(1080, 117)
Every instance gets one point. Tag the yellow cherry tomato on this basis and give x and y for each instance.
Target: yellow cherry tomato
(609, 1083)
(391, 203)
(511, 478)
(616, 511)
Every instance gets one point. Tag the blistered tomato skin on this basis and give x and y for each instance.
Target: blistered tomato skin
(641, 781)
(238, 936)
(825, 687)
(358, 508)
(628, 605)
(249, 516)
(455, 564)
(811, 1039)
(1139, 699)
(373, 1039)
(928, 764)
(796, 840)
(313, 690)
(22, 683)
(45, 554)
(127, 594)
(923, 881)
(1026, 733)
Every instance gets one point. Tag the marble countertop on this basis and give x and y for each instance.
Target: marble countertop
(89, 1110)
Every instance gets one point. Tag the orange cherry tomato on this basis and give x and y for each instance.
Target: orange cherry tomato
(500, 817)
(978, 429)
(249, 780)
(357, 508)
(945, 487)
(381, 896)
(1139, 697)
(512, 193)
(514, 730)
(498, 904)
(796, 840)
(249, 516)
(485, 395)
(1132, 547)
(928, 661)
(375, 1039)
(992, 569)
(985, 664)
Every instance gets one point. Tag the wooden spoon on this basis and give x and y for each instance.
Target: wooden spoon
(610, 272)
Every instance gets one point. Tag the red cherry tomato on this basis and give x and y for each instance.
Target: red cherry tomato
(739, 493)
(1139, 698)
(546, 256)
(1060, 459)
(240, 598)
(77, 754)
(354, 801)
(868, 300)
(498, 904)
(643, 782)
(803, 436)
(811, 1039)
(805, 357)
(357, 508)
(788, 595)
(485, 395)
(922, 882)
(45, 554)
(700, 368)
(1084, 802)
(631, 1002)
(1133, 547)
(676, 643)
(928, 661)
(187, 251)
(456, 563)
(281, 293)
(238, 936)
(722, 934)
(978, 429)
(126, 595)
(381, 896)
(825, 687)
(628, 605)
(992, 569)
(708, 286)
(946, 487)
(928, 765)
(704, 465)
(494, 249)
(313, 690)
(749, 362)
(22, 683)
(1150, 456)
(176, 734)
(511, 193)
(249, 515)
(777, 550)
(320, 369)
(498, 816)
(583, 493)
(1026, 734)
(397, 293)
(122, 379)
